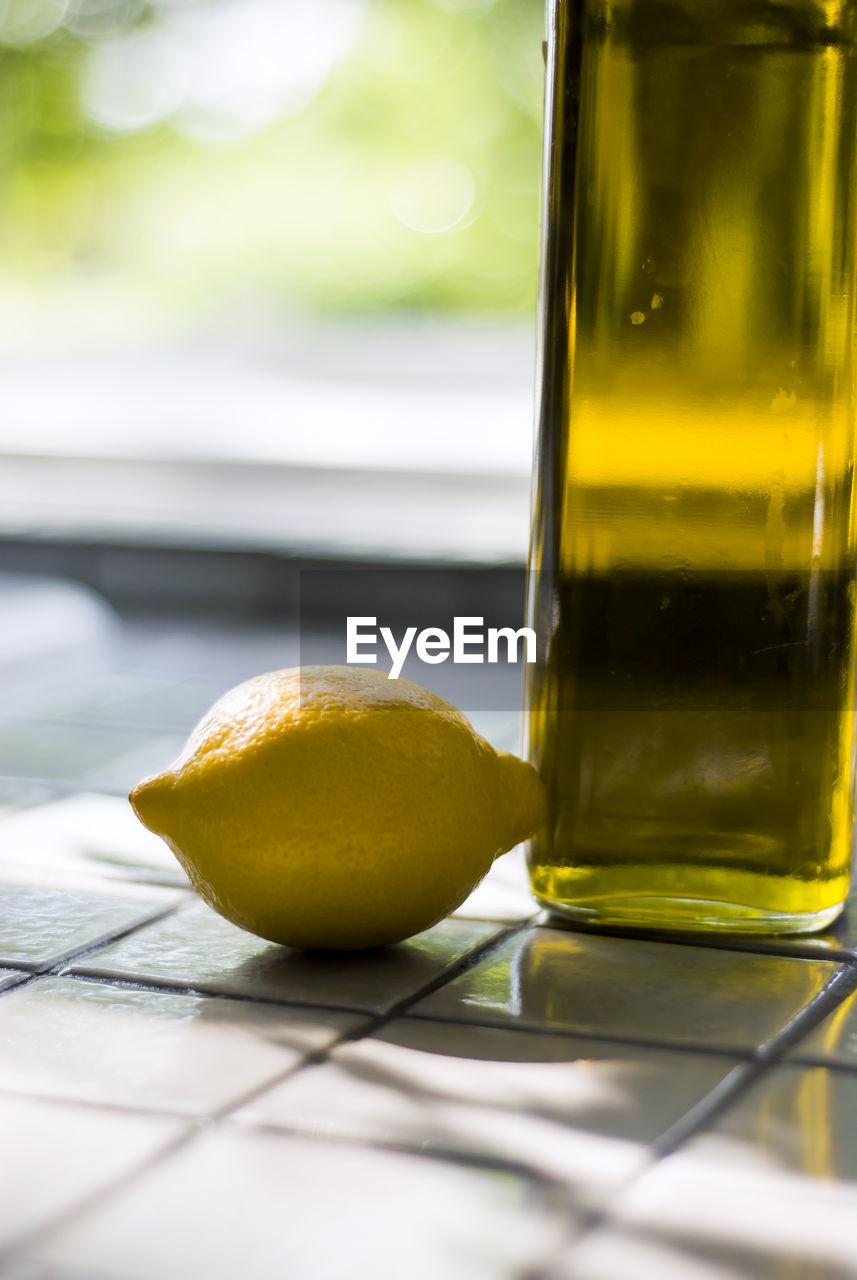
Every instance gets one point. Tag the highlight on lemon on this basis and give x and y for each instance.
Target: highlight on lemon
(330, 807)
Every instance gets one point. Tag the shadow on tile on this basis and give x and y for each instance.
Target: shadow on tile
(580, 1112)
(196, 949)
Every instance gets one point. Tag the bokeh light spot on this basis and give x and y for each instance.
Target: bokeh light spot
(132, 82)
(432, 194)
(26, 21)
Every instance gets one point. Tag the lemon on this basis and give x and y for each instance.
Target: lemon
(333, 807)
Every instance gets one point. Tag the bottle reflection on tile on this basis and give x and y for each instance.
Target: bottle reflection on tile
(650, 992)
(833, 1041)
(803, 1120)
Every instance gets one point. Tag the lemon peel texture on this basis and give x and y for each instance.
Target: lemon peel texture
(331, 807)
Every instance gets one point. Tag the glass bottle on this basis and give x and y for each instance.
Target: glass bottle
(693, 558)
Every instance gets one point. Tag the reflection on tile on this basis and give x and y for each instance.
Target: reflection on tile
(56, 1156)
(197, 949)
(271, 1206)
(576, 1110)
(839, 940)
(834, 1040)
(774, 1179)
(661, 1254)
(83, 839)
(795, 1118)
(504, 894)
(40, 926)
(68, 1038)
(648, 991)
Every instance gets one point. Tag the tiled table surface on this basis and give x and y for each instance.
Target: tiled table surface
(498, 1098)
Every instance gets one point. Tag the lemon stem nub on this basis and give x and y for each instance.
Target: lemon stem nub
(523, 793)
(149, 802)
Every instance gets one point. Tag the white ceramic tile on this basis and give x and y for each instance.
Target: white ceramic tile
(235, 1204)
(40, 926)
(69, 1038)
(664, 993)
(614, 1253)
(83, 840)
(197, 949)
(581, 1111)
(56, 1155)
(504, 894)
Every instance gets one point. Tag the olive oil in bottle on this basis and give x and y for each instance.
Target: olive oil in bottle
(693, 561)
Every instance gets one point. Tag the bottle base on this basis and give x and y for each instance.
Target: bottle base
(689, 915)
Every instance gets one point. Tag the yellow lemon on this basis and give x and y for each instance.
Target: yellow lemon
(333, 807)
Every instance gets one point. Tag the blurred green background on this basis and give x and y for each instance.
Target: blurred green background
(189, 157)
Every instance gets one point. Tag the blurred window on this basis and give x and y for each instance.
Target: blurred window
(300, 232)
